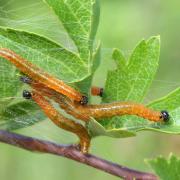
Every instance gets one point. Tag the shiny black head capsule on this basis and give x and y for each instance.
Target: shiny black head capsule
(27, 94)
(101, 92)
(84, 100)
(165, 116)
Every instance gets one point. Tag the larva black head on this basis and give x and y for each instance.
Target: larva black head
(84, 100)
(165, 116)
(101, 92)
(25, 79)
(27, 94)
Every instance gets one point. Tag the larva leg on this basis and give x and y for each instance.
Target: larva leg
(60, 120)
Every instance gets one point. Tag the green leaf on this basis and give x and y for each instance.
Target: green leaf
(44, 53)
(128, 126)
(86, 84)
(171, 103)
(19, 115)
(9, 84)
(119, 59)
(80, 19)
(130, 82)
(166, 169)
(96, 129)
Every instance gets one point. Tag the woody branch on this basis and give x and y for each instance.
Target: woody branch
(70, 152)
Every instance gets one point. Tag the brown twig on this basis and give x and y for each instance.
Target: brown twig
(71, 152)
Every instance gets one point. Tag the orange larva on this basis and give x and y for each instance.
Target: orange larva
(39, 75)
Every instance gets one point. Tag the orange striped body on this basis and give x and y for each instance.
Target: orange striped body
(63, 101)
(62, 121)
(97, 111)
(119, 109)
(39, 75)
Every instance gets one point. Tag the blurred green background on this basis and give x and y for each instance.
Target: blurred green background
(122, 25)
